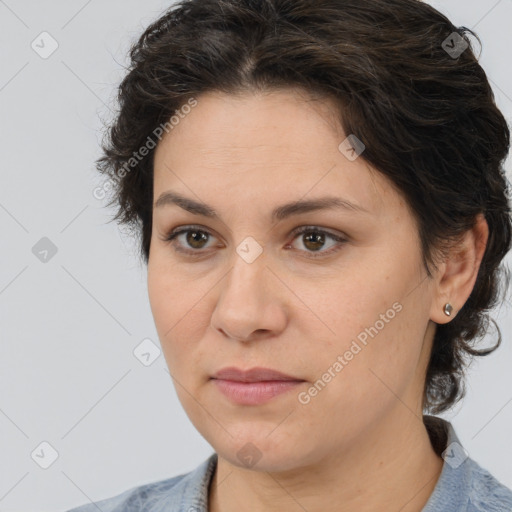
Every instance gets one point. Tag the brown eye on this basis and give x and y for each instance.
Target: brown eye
(192, 240)
(314, 239)
(196, 239)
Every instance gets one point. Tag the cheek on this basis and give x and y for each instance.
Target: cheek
(180, 319)
(168, 309)
(170, 296)
(379, 328)
(374, 360)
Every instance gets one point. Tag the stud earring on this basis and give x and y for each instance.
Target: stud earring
(448, 309)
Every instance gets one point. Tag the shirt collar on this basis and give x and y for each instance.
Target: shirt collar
(455, 479)
(191, 493)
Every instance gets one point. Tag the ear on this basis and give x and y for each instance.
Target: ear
(457, 274)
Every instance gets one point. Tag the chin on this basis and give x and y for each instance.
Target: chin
(256, 450)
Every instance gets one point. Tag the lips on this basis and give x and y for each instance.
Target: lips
(255, 386)
(257, 374)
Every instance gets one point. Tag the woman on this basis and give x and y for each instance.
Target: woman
(320, 198)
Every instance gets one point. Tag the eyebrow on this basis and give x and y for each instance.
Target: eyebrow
(281, 212)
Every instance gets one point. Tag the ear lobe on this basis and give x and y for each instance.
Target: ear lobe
(458, 273)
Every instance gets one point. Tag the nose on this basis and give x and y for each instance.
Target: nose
(250, 303)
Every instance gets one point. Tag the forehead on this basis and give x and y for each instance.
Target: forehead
(280, 143)
(227, 124)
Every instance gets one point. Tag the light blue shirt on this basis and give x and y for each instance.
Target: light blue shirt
(463, 485)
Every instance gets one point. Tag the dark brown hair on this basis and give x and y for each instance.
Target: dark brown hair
(426, 115)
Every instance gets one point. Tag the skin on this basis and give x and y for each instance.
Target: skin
(360, 443)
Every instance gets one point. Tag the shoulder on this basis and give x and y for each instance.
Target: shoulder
(486, 493)
(464, 485)
(135, 499)
(188, 491)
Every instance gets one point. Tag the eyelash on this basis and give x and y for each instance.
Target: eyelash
(307, 229)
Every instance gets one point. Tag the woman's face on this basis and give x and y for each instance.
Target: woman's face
(335, 297)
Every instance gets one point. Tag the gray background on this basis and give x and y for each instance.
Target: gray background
(68, 327)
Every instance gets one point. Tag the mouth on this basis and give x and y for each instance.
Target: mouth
(257, 374)
(254, 386)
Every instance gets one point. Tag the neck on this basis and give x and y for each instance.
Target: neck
(393, 466)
